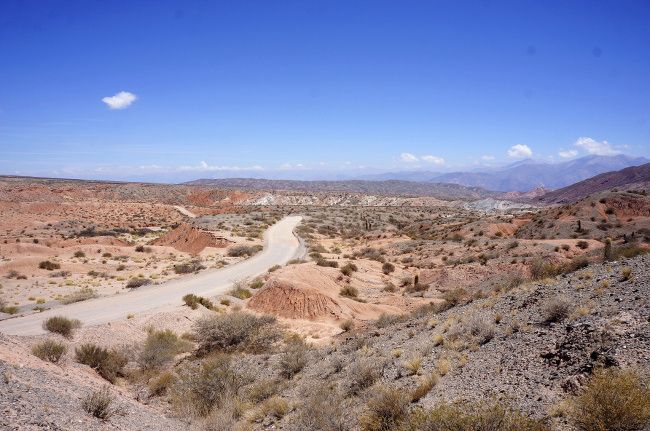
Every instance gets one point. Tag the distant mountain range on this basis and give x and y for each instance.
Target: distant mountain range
(524, 175)
(635, 176)
(388, 187)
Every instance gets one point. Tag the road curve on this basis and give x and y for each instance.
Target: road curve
(280, 246)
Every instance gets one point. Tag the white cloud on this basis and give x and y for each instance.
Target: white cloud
(433, 159)
(408, 157)
(487, 158)
(599, 148)
(519, 151)
(121, 100)
(568, 154)
(205, 167)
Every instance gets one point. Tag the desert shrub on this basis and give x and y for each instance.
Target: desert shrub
(347, 325)
(387, 268)
(413, 365)
(423, 387)
(49, 265)
(274, 268)
(556, 309)
(100, 404)
(348, 269)
(293, 360)
(389, 287)
(189, 267)
(452, 298)
(243, 250)
(108, 363)
(49, 350)
(159, 348)
(161, 383)
(82, 294)
(79, 254)
(237, 331)
(540, 269)
(361, 375)
(61, 325)
(626, 273)
(386, 408)
(275, 406)
(256, 284)
(201, 387)
(469, 417)
(612, 400)
(136, 282)
(629, 251)
(323, 410)
(481, 329)
(327, 263)
(193, 301)
(262, 389)
(139, 248)
(349, 291)
(240, 292)
(386, 319)
(583, 245)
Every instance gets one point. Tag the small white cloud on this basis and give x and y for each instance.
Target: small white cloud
(433, 159)
(487, 158)
(568, 154)
(599, 148)
(205, 167)
(408, 157)
(121, 100)
(519, 151)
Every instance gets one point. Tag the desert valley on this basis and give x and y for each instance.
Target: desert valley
(383, 311)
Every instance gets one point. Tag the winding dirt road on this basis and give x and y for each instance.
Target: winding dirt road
(280, 246)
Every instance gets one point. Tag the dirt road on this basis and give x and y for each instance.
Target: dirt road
(280, 246)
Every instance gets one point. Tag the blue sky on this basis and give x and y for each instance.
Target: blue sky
(309, 89)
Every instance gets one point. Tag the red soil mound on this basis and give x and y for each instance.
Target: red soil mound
(285, 299)
(190, 239)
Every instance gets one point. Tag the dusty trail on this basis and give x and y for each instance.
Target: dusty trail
(280, 245)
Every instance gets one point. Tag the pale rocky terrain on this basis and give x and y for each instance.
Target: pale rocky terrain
(394, 292)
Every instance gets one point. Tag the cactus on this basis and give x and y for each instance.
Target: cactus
(607, 253)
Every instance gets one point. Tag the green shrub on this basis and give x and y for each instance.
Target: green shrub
(469, 417)
(237, 331)
(48, 265)
(386, 408)
(100, 404)
(82, 294)
(159, 348)
(293, 360)
(349, 291)
(556, 309)
(243, 250)
(348, 269)
(136, 282)
(327, 263)
(193, 301)
(612, 400)
(189, 267)
(108, 363)
(387, 268)
(202, 387)
(49, 350)
(61, 325)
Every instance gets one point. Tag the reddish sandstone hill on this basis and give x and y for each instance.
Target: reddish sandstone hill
(311, 292)
(635, 176)
(191, 240)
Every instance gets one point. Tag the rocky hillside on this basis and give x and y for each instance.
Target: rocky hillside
(389, 187)
(635, 177)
